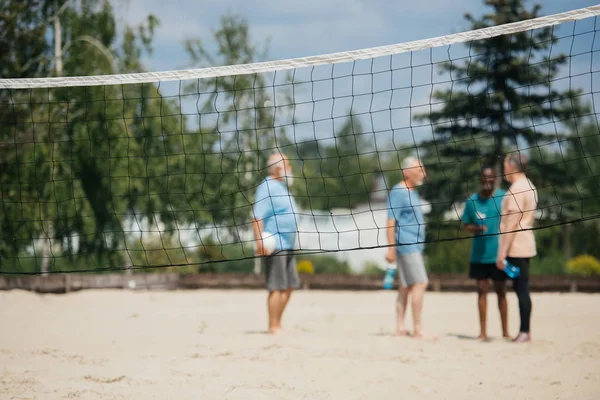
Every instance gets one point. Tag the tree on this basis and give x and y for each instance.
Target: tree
(237, 117)
(506, 96)
(81, 161)
(340, 175)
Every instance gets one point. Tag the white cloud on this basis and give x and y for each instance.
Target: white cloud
(296, 28)
(313, 27)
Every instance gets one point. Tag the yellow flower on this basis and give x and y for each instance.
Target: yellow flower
(584, 265)
(305, 266)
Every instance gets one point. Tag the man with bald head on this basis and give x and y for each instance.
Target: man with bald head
(275, 228)
(517, 241)
(406, 235)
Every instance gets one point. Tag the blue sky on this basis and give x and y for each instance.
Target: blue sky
(308, 27)
(312, 27)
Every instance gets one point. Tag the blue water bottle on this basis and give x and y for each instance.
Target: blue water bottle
(511, 270)
(388, 280)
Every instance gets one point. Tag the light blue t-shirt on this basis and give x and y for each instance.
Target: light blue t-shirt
(275, 206)
(404, 206)
(479, 211)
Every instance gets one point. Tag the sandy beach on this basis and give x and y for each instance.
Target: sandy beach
(338, 345)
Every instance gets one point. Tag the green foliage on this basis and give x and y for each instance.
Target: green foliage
(488, 108)
(372, 268)
(584, 238)
(99, 263)
(327, 264)
(236, 155)
(339, 175)
(547, 265)
(101, 154)
(447, 256)
(230, 258)
(162, 251)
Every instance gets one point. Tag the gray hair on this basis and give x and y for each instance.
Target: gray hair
(273, 162)
(410, 162)
(518, 160)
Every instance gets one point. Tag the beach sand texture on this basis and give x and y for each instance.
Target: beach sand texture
(209, 344)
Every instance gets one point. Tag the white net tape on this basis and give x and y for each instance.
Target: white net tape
(270, 66)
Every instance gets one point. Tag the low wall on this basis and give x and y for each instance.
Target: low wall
(64, 283)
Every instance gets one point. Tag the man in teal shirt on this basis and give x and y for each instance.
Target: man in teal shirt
(482, 218)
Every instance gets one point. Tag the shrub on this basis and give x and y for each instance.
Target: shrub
(167, 252)
(452, 256)
(584, 265)
(328, 264)
(372, 268)
(305, 267)
(547, 263)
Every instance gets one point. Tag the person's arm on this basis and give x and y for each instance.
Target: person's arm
(261, 210)
(391, 239)
(257, 228)
(394, 208)
(474, 228)
(468, 220)
(510, 225)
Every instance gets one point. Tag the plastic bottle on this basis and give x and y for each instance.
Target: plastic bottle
(388, 280)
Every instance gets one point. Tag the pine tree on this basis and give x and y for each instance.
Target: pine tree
(500, 94)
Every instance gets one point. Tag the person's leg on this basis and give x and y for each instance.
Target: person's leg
(274, 278)
(418, 298)
(521, 287)
(274, 305)
(416, 279)
(402, 299)
(291, 281)
(482, 291)
(401, 302)
(500, 289)
(284, 299)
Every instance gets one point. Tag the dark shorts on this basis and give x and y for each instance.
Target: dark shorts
(486, 271)
(280, 271)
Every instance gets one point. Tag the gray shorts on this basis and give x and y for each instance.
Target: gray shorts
(411, 269)
(280, 271)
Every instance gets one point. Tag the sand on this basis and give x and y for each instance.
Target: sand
(338, 345)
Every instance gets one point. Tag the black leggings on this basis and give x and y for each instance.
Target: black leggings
(521, 287)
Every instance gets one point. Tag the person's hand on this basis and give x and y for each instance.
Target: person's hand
(480, 229)
(260, 248)
(500, 262)
(476, 229)
(391, 255)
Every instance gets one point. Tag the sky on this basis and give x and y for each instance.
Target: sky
(308, 27)
(312, 27)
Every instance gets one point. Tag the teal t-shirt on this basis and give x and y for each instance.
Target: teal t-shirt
(486, 212)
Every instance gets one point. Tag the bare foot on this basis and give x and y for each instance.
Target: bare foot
(401, 333)
(482, 336)
(424, 336)
(275, 331)
(506, 335)
(522, 337)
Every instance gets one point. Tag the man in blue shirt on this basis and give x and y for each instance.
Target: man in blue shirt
(406, 234)
(275, 228)
(482, 218)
